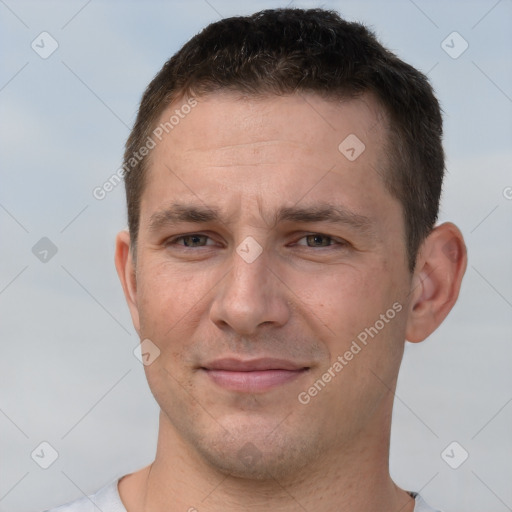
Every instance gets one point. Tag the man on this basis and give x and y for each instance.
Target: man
(283, 180)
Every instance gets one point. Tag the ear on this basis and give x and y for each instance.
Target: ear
(440, 266)
(127, 274)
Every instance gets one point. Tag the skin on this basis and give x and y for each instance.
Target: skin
(304, 299)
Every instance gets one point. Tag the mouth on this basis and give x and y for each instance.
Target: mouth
(252, 376)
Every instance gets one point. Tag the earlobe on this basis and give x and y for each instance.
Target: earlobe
(126, 271)
(441, 264)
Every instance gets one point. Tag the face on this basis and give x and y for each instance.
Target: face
(272, 275)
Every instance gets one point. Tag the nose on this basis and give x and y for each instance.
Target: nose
(250, 296)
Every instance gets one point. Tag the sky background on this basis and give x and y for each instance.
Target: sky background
(68, 373)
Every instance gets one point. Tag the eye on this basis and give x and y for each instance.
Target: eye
(195, 240)
(320, 240)
(192, 240)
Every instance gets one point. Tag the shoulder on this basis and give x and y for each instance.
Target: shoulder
(420, 504)
(107, 499)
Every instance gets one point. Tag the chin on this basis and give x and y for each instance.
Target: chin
(248, 453)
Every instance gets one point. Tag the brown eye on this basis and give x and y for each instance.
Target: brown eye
(318, 240)
(194, 240)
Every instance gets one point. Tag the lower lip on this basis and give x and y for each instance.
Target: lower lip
(253, 381)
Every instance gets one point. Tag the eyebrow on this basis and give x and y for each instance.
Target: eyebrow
(199, 214)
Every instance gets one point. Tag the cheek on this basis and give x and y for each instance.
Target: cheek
(344, 296)
(169, 303)
(348, 301)
(166, 299)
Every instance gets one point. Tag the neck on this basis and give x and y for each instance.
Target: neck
(352, 477)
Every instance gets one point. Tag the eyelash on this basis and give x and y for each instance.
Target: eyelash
(340, 242)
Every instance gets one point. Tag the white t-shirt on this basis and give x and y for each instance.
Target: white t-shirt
(107, 499)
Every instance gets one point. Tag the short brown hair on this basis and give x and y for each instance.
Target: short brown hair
(283, 51)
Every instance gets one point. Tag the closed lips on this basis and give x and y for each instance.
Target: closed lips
(253, 376)
(237, 365)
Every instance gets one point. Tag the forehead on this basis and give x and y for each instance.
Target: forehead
(233, 123)
(230, 146)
